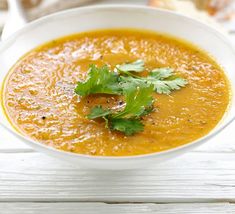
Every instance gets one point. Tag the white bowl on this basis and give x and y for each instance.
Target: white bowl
(97, 17)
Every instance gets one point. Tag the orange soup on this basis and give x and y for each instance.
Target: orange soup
(39, 99)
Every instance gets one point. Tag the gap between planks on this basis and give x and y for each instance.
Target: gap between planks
(92, 208)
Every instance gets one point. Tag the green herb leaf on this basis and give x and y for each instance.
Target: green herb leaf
(138, 103)
(99, 80)
(97, 112)
(161, 84)
(161, 73)
(137, 99)
(137, 66)
(127, 126)
(167, 86)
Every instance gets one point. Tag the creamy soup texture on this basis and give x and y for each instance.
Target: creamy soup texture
(40, 102)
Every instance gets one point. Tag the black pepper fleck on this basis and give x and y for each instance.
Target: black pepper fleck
(43, 117)
(120, 103)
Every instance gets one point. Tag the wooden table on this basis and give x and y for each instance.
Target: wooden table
(202, 181)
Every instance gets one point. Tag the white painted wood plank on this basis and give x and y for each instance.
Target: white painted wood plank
(195, 177)
(92, 208)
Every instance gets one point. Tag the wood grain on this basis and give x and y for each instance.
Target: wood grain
(195, 177)
(92, 208)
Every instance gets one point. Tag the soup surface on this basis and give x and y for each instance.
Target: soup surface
(40, 102)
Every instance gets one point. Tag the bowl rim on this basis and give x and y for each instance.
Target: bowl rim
(42, 147)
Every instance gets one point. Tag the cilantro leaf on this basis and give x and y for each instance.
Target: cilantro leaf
(166, 86)
(161, 73)
(99, 80)
(137, 66)
(138, 103)
(167, 82)
(97, 112)
(137, 99)
(162, 85)
(127, 126)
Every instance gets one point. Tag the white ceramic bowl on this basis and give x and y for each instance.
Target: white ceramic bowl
(97, 17)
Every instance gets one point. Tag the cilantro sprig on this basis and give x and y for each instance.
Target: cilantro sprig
(137, 66)
(138, 101)
(99, 81)
(137, 92)
(163, 80)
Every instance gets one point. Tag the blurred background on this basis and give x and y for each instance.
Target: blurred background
(211, 11)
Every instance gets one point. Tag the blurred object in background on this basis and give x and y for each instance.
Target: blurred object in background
(185, 7)
(209, 11)
(49, 6)
(26, 3)
(45, 4)
(31, 3)
(213, 6)
(39, 8)
(222, 11)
